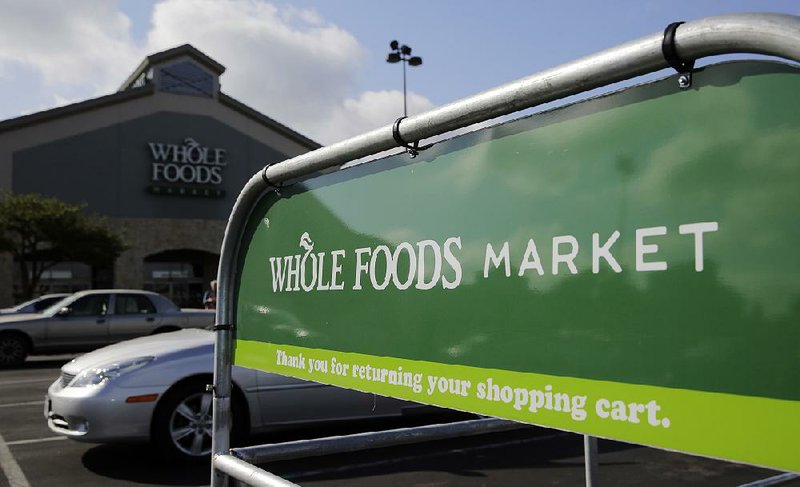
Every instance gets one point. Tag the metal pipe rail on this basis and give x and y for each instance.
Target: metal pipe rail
(247, 473)
(374, 439)
(346, 444)
(771, 34)
(764, 33)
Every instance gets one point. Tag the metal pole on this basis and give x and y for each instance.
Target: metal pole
(224, 335)
(775, 480)
(590, 459)
(221, 390)
(404, 61)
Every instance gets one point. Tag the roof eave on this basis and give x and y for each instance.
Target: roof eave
(75, 108)
(240, 107)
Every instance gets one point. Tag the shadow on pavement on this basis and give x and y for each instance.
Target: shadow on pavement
(142, 464)
(529, 456)
(467, 457)
(471, 457)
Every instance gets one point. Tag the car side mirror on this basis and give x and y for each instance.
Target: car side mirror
(64, 312)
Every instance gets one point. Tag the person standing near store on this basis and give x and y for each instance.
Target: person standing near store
(210, 296)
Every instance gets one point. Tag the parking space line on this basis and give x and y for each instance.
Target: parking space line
(16, 404)
(36, 440)
(10, 467)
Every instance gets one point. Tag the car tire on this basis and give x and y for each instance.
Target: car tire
(182, 426)
(165, 329)
(13, 349)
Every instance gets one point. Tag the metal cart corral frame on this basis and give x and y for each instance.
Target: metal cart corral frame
(681, 44)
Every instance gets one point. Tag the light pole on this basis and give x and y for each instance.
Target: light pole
(402, 54)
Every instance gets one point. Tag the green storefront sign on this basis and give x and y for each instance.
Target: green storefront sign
(624, 267)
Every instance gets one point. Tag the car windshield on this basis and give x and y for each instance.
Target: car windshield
(22, 305)
(56, 307)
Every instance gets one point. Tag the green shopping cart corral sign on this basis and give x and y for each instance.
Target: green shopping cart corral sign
(623, 267)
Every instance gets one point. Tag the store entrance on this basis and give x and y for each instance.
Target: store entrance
(181, 275)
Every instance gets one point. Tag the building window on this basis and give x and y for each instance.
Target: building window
(186, 78)
(180, 274)
(65, 277)
(169, 270)
(143, 79)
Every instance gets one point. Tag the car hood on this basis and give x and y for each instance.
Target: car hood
(154, 346)
(17, 317)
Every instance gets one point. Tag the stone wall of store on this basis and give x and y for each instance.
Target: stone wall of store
(144, 237)
(6, 280)
(150, 236)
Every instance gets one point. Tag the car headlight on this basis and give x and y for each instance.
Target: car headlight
(100, 375)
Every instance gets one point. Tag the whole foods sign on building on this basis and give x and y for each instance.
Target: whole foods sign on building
(624, 267)
(188, 169)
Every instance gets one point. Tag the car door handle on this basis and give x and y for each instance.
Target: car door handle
(150, 319)
(101, 320)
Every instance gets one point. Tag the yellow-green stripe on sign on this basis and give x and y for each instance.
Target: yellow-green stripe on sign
(755, 430)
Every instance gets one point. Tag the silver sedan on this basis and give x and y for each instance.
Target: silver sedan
(35, 305)
(154, 388)
(91, 319)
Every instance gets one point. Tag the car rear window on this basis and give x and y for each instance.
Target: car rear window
(133, 304)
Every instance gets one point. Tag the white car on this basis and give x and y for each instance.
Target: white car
(154, 388)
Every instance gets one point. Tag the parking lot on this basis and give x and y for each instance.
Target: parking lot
(30, 455)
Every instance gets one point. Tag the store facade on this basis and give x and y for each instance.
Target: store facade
(163, 160)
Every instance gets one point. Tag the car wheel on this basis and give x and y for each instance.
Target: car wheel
(183, 422)
(13, 349)
(182, 425)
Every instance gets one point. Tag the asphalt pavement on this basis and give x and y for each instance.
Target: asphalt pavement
(31, 456)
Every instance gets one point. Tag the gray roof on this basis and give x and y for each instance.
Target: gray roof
(175, 52)
(129, 93)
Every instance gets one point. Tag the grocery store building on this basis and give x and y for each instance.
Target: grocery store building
(163, 159)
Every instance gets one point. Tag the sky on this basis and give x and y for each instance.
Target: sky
(318, 66)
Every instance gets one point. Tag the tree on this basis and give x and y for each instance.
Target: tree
(41, 232)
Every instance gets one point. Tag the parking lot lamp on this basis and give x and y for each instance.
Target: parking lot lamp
(402, 54)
